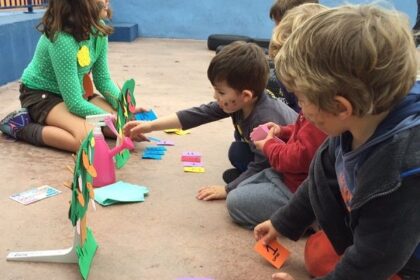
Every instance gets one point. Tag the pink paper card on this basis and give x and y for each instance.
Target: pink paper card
(191, 156)
(259, 133)
(188, 163)
(165, 143)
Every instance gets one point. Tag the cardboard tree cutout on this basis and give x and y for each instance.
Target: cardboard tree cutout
(125, 112)
(84, 243)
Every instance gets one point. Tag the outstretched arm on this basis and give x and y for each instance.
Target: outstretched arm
(136, 129)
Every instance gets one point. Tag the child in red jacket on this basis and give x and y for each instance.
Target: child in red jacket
(289, 149)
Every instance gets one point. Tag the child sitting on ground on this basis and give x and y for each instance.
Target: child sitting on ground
(54, 101)
(274, 86)
(238, 74)
(353, 69)
(289, 149)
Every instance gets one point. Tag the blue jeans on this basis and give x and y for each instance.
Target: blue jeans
(240, 155)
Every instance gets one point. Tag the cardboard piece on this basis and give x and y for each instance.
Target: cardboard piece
(274, 252)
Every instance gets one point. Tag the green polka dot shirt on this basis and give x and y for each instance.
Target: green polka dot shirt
(56, 68)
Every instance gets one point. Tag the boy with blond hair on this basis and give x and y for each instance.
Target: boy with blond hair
(353, 69)
(274, 86)
(293, 19)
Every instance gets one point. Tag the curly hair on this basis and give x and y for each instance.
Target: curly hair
(363, 53)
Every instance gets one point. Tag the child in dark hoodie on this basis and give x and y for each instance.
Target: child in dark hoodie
(353, 70)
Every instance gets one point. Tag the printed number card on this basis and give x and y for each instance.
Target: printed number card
(35, 194)
(274, 252)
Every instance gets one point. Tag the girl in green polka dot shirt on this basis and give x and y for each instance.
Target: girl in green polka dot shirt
(56, 88)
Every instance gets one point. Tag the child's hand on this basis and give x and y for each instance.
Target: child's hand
(266, 231)
(282, 276)
(135, 130)
(260, 144)
(211, 193)
(274, 127)
(270, 135)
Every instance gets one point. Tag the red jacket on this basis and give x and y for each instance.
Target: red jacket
(292, 156)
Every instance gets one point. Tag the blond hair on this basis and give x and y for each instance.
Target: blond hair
(293, 19)
(363, 53)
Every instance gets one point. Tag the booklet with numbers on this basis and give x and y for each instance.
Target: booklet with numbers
(35, 194)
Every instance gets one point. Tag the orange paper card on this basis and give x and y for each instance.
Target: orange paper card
(275, 253)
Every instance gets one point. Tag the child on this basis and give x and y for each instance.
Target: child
(353, 69)
(274, 86)
(105, 10)
(51, 91)
(280, 7)
(238, 74)
(258, 197)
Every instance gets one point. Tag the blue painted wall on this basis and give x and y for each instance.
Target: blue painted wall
(190, 19)
(18, 39)
(196, 19)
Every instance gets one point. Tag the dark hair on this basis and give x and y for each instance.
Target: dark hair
(243, 66)
(280, 7)
(79, 18)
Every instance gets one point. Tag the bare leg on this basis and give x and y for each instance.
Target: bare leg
(63, 130)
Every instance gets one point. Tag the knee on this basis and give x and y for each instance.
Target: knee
(232, 202)
(240, 155)
(237, 209)
(78, 139)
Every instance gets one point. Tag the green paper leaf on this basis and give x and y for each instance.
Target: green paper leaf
(78, 211)
(86, 254)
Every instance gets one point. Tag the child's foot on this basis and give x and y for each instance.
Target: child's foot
(230, 175)
(14, 121)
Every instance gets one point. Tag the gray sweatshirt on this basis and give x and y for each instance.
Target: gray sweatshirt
(266, 109)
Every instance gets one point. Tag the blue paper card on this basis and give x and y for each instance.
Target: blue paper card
(153, 152)
(146, 116)
(154, 148)
(151, 156)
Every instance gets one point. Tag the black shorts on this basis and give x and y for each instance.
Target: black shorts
(38, 102)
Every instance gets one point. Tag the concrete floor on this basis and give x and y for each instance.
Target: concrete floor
(171, 235)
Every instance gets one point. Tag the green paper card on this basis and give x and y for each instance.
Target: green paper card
(120, 192)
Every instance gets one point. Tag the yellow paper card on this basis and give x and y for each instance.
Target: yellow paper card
(182, 132)
(171, 130)
(194, 169)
